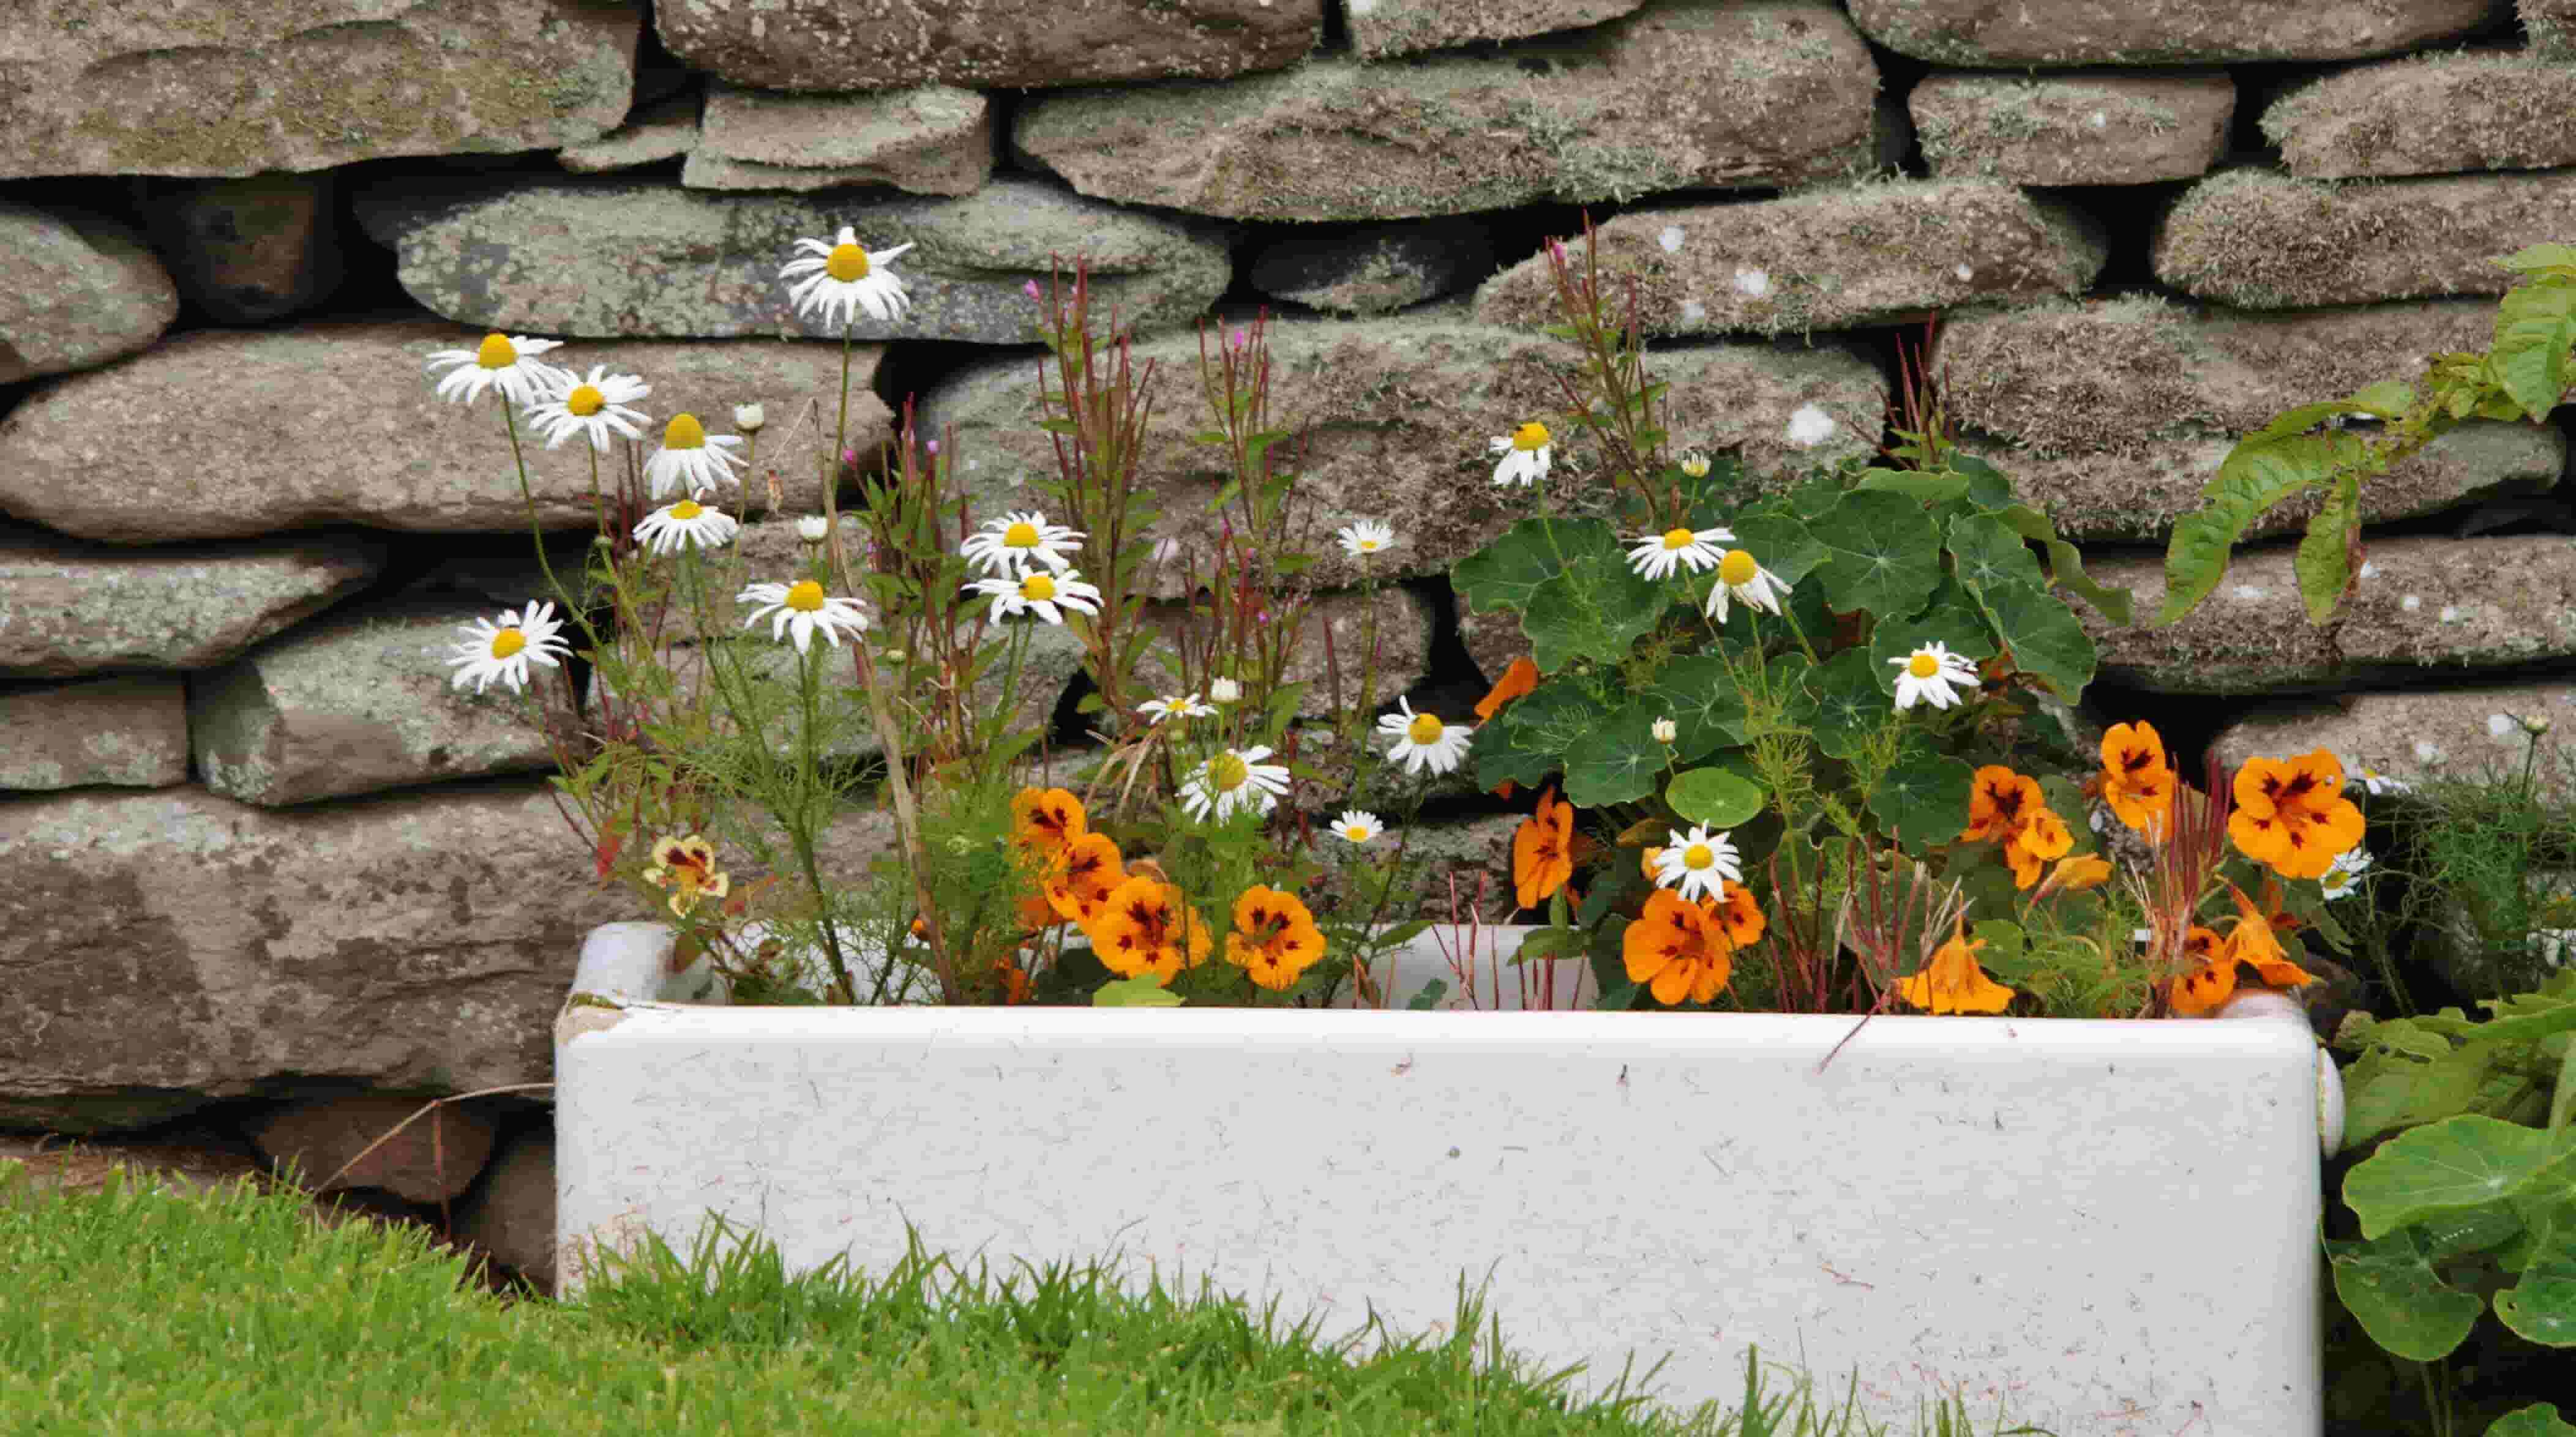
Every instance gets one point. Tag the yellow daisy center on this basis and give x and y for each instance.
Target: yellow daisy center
(805, 596)
(1021, 535)
(1923, 666)
(1037, 587)
(1737, 568)
(847, 262)
(1677, 539)
(585, 400)
(1530, 436)
(1425, 728)
(508, 642)
(684, 432)
(1699, 855)
(1227, 772)
(1356, 833)
(686, 510)
(496, 352)
(1368, 546)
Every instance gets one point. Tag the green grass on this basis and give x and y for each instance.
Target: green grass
(132, 1310)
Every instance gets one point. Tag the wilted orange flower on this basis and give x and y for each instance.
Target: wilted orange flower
(1952, 982)
(2292, 815)
(1517, 680)
(2041, 837)
(1679, 949)
(1045, 820)
(2075, 873)
(2136, 780)
(1274, 937)
(1082, 877)
(1144, 926)
(1998, 801)
(1543, 851)
(2255, 940)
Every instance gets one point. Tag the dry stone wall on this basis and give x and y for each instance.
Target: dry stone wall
(256, 842)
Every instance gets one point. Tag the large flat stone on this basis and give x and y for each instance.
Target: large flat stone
(1380, 28)
(130, 731)
(250, 251)
(361, 702)
(664, 130)
(1683, 94)
(103, 87)
(373, 1140)
(2096, 128)
(602, 258)
(983, 44)
(81, 608)
(2267, 240)
(2415, 735)
(1834, 258)
(2429, 115)
(929, 140)
(1396, 413)
(2160, 32)
(2427, 608)
(2112, 415)
(262, 430)
(170, 946)
(1376, 269)
(83, 290)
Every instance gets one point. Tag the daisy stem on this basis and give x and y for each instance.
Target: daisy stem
(801, 832)
(536, 531)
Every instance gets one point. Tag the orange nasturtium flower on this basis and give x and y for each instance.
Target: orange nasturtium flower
(2042, 836)
(1274, 937)
(1517, 680)
(2292, 815)
(1145, 926)
(2136, 780)
(2075, 873)
(1014, 980)
(1998, 801)
(1679, 948)
(1543, 851)
(1045, 820)
(686, 866)
(1952, 982)
(1082, 877)
(2253, 940)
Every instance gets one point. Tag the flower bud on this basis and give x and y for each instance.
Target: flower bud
(2535, 724)
(1695, 464)
(1666, 731)
(1224, 691)
(810, 529)
(748, 418)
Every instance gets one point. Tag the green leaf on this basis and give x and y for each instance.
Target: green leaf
(2065, 563)
(1550, 943)
(2540, 1419)
(2324, 561)
(2460, 1162)
(1780, 543)
(2539, 259)
(1595, 609)
(2273, 464)
(1841, 704)
(1430, 996)
(1610, 966)
(2535, 325)
(1883, 554)
(1504, 573)
(1990, 551)
(2389, 398)
(1988, 488)
(2542, 1305)
(1615, 762)
(1714, 797)
(2048, 642)
(1700, 698)
(2390, 1286)
(1923, 799)
(1933, 487)
(1528, 741)
(1141, 992)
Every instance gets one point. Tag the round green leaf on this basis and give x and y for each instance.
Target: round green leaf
(1615, 762)
(2047, 640)
(1714, 798)
(1842, 704)
(2392, 1289)
(1884, 555)
(1528, 740)
(2459, 1162)
(1504, 573)
(1699, 696)
(1595, 608)
(1923, 799)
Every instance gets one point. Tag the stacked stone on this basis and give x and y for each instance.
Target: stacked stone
(258, 837)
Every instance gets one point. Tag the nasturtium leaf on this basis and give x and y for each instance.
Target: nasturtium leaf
(1714, 797)
(1527, 741)
(2542, 1305)
(1504, 573)
(1990, 551)
(1699, 696)
(1841, 704)
(1923, 799)
(2540, 1419)
(1883, 554)
(2459, 1162)
(1610, 967)
(2540, 259)
(1988, 487)
(1616, 762)
(1141, 992)
(2047, 640)
(1596, 608)
(2391, 1288)
(1924, 486)
(2065, 563)
(1780, 543)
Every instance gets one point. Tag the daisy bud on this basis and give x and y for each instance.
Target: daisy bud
(1224, 691)
(1666, 731)
(810, 529)
(894, 656)
(748, 418)
(1695, 464)
(2535, 724)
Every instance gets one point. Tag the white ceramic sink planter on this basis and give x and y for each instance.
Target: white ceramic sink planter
(2112, 1226)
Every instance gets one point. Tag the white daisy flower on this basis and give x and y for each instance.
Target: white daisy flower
(2341, 880)
(690, 459)
(590, 408)
(1738, 576)
(804, 608)
(1040, 593)
(1013, 542)
(1232, 780)
(1656, 556)
(503, 649)
(1367, 536)
(1182, 706)
(1524, 452)
(810, 529)
(1695, 464)
(1224, 691)
(2377, 783)
(1423, 741)
(1697, 863)
(843, 278)
(677, 526)
(506, 362)
(1929, 673)
(1358, 825)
